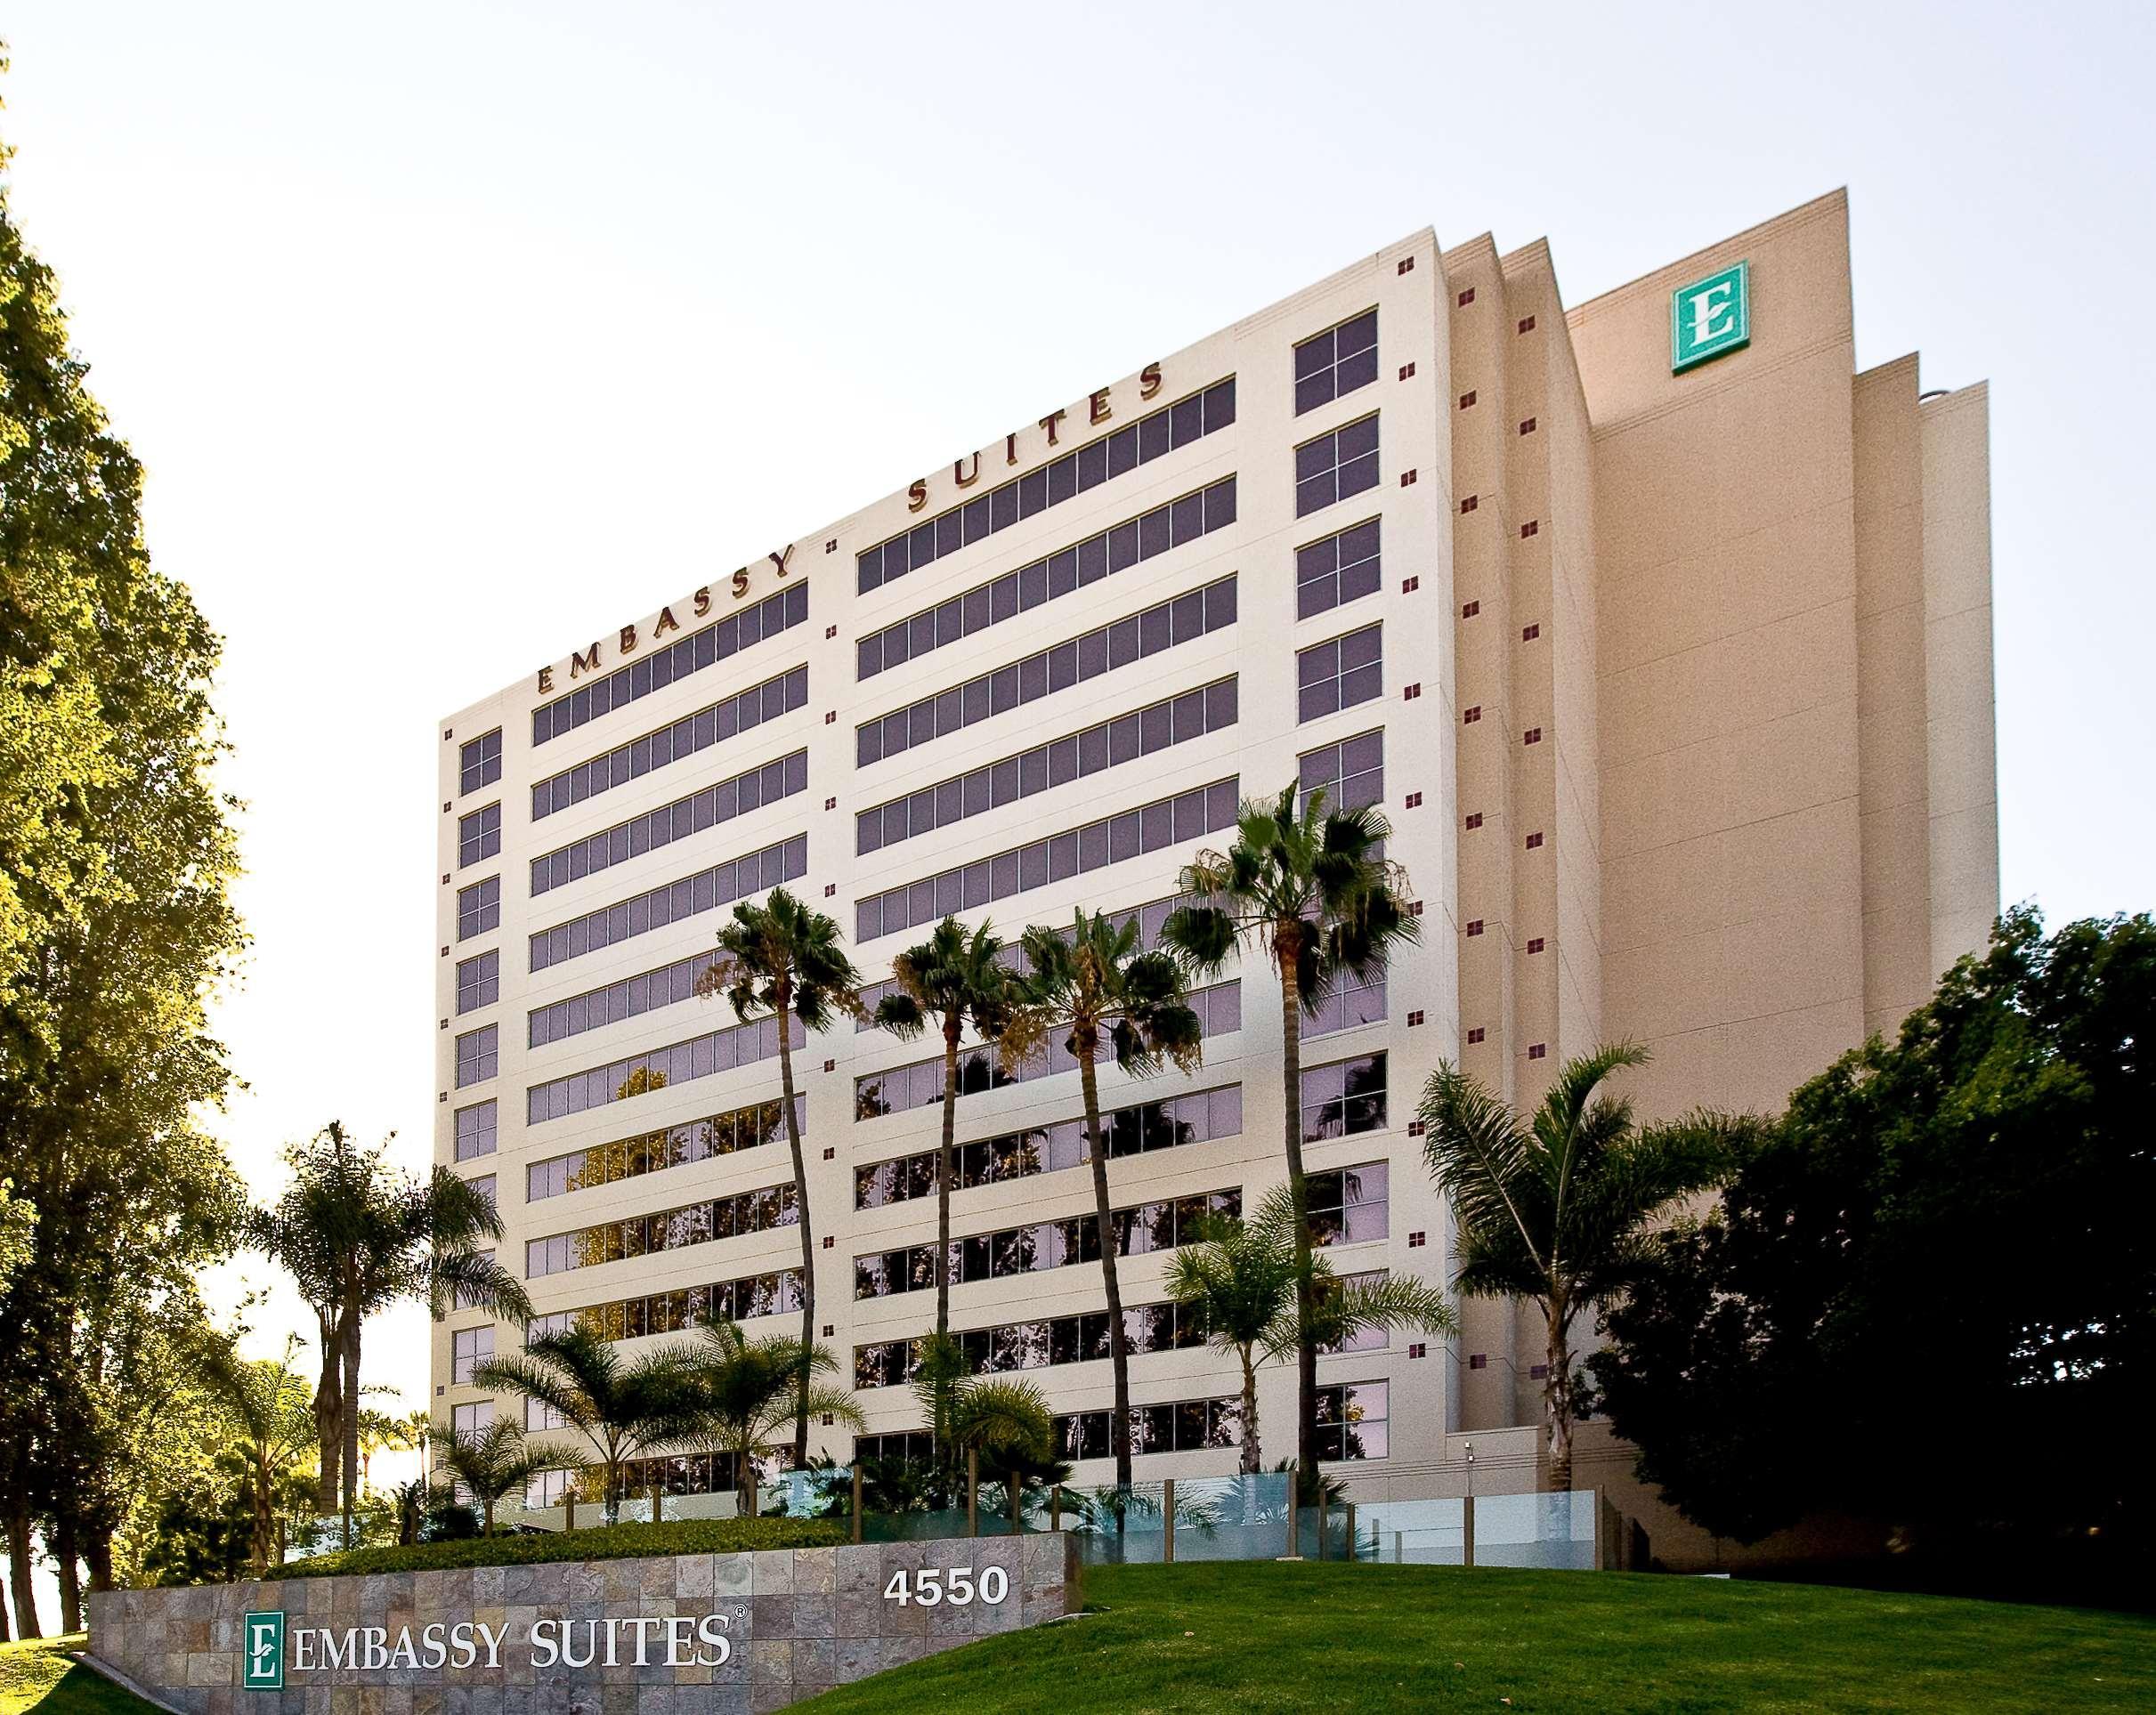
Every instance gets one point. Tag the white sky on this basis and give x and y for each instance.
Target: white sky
(450, 333)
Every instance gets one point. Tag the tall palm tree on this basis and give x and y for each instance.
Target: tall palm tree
(1240, 1280)
(784, 958)
(955, 980)
(624, 1410)
(1097, 992)
(499, 1461)
(1309, 885)
(270, 1406)
(358, 1236)
(1557, 1205)
(748, 1391)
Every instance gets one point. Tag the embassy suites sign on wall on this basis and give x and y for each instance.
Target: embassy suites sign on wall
(623, 1640)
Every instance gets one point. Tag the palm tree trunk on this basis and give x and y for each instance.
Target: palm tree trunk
(1083, 1041)
(942, 1174)
(350, 1342)
(329, 1420)
(1252, 1461)
(487, 1529)
(1557, 1396)
(1285, 947)
(800, 1201)
(265, 1530)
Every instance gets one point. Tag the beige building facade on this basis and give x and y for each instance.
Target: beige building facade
(1673, 682)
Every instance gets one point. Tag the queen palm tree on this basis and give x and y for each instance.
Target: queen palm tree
(498, 1460)
(749, 1391)
(269, 1403)
(358, 1236)
(623, 1409)
(1240, 1280)
(1096, 992)
(1309, 886)
(784, 958)
(1557, 1205)
(955, 980)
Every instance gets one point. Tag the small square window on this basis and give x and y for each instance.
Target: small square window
(1416, 1348)
(1467, 297)
(1407, 265)
(1474, 927)
(1533, 526)
(1414, 1128)
(830, 1154)
(1538, 1050)
(1537, 1371)
(1536, 944)
(1415, 1240)
(1529, 634)
(1467, 399)
(1410, 584)
(1527, 327)
(828, 1241)
(1471, 502)
(1407, 479)
(830, 632)
(1534, 842)
(1468, 610)
(1414, 908)
(1411, 693)
(1471, 716)
(1415, 800)
(1474, 822)
(1532, 736)
(1478, 1361)
(1528, 427)
(1475, 1034)
(1407, 371)
(1414, 1018)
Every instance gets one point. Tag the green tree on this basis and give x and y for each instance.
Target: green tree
(784, 960)
(951, 980)
(17, 1220)
(1090, 993)
(496, 1462)
(274, 1425)
(625, 1410)
(1309, 886)
(748, 1393)
(1559, 1206)
(1240, 1280)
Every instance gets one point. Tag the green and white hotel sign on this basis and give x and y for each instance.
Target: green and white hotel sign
(262, 1667)
(1710, 318)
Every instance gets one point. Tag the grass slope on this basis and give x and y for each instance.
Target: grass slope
(39, 1676)
(1287, 1637)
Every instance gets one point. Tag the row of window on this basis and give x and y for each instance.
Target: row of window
(1166, 822)
(1105, 744)
(1335, 466)
(666, 1313)
(1118, 548)
(655, 1152)
(1339, 672)
(673, 1229)
(1038, 1344)
(631, 996)
(1195, 1116)
(478, 981)
(1190, 418)
(1075, 1240)
(478, 835)
(777, 612)
(1102, 649)
(479, 762)
(705, 890)
(1352, 771)
(750, 790)
(678, 1063)
(919, 1083)
(724, 719)
(675, 1474)
(1339, 570)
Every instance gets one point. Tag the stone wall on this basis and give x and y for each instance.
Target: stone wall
(794, 1621)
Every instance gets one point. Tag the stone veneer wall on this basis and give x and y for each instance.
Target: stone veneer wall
(799, 1621)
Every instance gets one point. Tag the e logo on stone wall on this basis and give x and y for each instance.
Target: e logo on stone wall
(1710, 317)
(262, 1667)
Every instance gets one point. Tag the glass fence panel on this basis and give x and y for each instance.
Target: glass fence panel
(1412, 1532)
(1535, 1530)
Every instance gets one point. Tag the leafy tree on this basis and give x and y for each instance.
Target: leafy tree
(748, 1392)
(1559, 1206)
(624, 1410)
(17, 1219)
(1009, 1425)
(1309, 885)
(1090, 992)
(1240, 1278)
(951, 980)
(782, 958)
(498, 1460)
(274, 1425)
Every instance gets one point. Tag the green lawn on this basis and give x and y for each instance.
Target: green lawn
(39, 1676)
(1286, 1636)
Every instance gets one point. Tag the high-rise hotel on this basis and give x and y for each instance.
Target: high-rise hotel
(1659, 632)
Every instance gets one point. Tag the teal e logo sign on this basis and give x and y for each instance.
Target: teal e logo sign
(262, 1667)
(1710, 317)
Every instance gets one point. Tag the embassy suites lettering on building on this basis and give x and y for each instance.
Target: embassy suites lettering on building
(630, 1640)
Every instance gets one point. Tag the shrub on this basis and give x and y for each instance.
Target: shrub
(619, 1542)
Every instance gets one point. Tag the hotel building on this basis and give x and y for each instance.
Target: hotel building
(1659, 632)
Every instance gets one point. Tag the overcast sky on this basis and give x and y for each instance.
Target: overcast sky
(451, 333)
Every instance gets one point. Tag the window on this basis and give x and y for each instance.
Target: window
(466, 1301)
(1343, 1099)
(752, 789)
(488, 1186)
(1187, 1426)
(469, 1347)
(1348, 1204)
(1350, 1003)
(1121, 643)
(1339, 672)
(1150, 437)
(1336, 361)
(1338, 570)
(1351, 1420)
(953, 620)
(480, 762)
(1351, 774)
(774, 1294)
(691, 734)
(673, 1229)
(1336, 465)
(700, 1056)
(1048, 767)
(655, 1152)
(470, 1420)
(706, 890)
(477, 1054)
(478, 981)
(475, 1130)
(1037, 1345)
(478, 835)
(776, 612)
(539, 1416)
(1475, 1034)
(479, 908)
(631, 998)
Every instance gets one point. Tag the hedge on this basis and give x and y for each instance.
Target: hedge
(616, 1542)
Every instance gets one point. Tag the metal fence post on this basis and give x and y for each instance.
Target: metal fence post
(973, 1491)
(1054, 1508)
(569, 1504)
(1352, 1555)
(1294, 1512)
(658, 1513)
(1167, 1521)
(1467, 1533)
(856, 1500)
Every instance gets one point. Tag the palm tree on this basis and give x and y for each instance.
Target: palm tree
(357, 1237)
(782, 958)
(1310, 887)
(498, 1460)
(1096, 991)
(1240, 1279)
(624, 1410)
(269, 1405)
(1556, 1205)
(1009, 1425)
(954, 979)
(748, 1391)
(380, 1432)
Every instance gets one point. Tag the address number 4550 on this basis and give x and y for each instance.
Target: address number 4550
(932, 1586)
